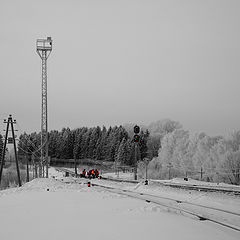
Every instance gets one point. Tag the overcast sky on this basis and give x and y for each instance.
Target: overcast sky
(125, 61)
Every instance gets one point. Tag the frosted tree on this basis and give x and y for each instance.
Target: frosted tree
(153, 145)
(181, 161)
(163, 127)
(166, 152)
(201, 150)
(165, 155)
(52, 143)
(122, 153)
(95, 135)
(174, 150)
(229, 159)
(130, 152)
(77, 145)
(66, 143)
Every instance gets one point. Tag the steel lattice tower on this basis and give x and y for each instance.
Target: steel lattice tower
(44, 48)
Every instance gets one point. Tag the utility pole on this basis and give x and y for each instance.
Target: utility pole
(169, 166)
(12, 140)
(135, 162)
(75, 165)
(35, 163)
(201, 172)
(44, 48)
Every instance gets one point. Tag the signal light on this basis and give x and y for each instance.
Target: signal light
(136, 129)
(136, 138)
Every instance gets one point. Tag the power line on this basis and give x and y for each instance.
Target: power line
(32, 152)
(26, 136)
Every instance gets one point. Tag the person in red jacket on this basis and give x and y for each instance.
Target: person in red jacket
(96, 173)
(83, 174)
(92, 173)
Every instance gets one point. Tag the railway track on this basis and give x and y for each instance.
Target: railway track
(227, 219)
(202, 188)
(157, 200)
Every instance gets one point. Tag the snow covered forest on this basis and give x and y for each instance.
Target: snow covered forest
(198, 155)
(173, 151)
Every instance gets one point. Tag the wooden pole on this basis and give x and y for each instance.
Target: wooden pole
(15, 151)
(75, 166)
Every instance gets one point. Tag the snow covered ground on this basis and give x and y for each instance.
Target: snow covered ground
(51, 209)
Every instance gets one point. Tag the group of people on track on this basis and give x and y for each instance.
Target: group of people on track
(90, 174)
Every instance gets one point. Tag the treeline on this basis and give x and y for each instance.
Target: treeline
(112, 144)
(173, 151)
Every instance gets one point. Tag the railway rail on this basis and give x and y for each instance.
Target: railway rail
(195, 187)
(157, 200)
(202, 212)
(201, 187)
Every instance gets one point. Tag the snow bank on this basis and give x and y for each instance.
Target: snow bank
(75, 211)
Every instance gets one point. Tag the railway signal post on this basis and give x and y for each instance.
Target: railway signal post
(136, 139)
